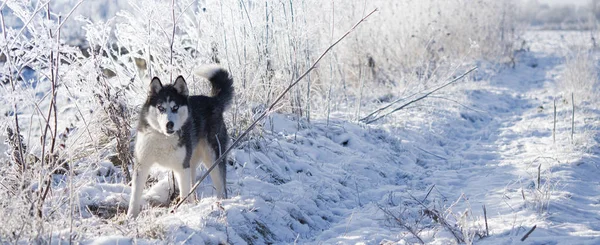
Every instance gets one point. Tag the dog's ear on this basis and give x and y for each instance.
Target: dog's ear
(155, 85)
(181, 86)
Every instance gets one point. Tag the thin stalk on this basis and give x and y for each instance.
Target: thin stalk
(266, 52)
(539, 177)
(360, 92)
(572, 118)
(368, 119)
(487, 230)
(54, 86)
(330, 64)
(225, 45)
(61, 23)
(401, 222)
(47, 127)
(308, 86)
(42, 196)
(149, 59)
(172, 38)
(554, 128)
(528, 233)
(71, 210)
(12, 84)
(38, 9)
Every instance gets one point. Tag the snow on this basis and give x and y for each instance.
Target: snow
(338, 183)
(424, 173)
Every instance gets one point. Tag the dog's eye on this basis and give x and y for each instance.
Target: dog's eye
(175, 108)
(161, 108)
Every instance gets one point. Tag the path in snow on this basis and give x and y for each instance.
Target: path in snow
(490, 155)
(494, 157)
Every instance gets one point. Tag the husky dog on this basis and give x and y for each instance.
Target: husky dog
(178, 131)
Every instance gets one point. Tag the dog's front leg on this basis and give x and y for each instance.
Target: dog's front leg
(183, 176)
(183, 172)
(140, 173)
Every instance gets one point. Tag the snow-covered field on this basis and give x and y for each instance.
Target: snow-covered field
(501, 141)
(429, 173)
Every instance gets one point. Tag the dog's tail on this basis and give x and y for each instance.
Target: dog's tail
(222, 84)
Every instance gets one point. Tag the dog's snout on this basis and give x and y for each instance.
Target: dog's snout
(170, 125)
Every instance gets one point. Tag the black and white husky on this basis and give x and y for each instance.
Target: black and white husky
(178, 131)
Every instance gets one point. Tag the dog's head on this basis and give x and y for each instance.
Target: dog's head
(167, 106)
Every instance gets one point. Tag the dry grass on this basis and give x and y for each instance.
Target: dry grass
(580, 77)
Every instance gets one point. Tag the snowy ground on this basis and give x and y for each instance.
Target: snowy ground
(429, 171)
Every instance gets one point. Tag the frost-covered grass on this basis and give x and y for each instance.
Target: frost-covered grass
(309, 173)
(580, 78)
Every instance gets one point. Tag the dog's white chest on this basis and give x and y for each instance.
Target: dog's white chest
(152, 147)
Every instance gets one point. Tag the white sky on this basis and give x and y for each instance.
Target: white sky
(553, 2)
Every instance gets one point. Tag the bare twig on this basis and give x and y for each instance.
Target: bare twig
(440, 157)
(360, 92)
(528, 233)
(3, 4)
(269, 110)
(68, 15)
(19, 155)
(376, 112)
(554, 128)
(369, 119)
(43, 198)
(572, 117)
(54, 87)
(438, 217)
(33, 15)
(308, 86)
(402, 223)
(52, 98)
(172, 38)
(184, 10)
(71, 202)
(539, 176)
(357, 194)
(487, 230)
(8, 189)
(330, 64)
(51, 109)
(460, 104)
(428, 192)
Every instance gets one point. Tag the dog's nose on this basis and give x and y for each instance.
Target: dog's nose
(170, 125)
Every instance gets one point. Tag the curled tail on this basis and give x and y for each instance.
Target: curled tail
(222, 84)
